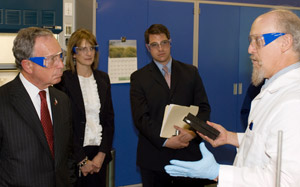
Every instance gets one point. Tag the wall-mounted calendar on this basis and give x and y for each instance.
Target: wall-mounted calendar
(122, 60)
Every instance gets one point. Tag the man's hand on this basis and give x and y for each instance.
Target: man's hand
(182, 140)
(185, 135)
(206, 168)
(225, 137)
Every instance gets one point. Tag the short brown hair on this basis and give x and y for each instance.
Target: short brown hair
(156, 29)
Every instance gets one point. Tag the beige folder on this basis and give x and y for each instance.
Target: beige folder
(174, 115)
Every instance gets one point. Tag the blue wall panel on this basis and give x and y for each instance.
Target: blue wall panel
(218, 67)
(178, 18)
(116, 18)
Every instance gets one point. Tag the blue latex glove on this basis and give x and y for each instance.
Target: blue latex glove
(206, 168)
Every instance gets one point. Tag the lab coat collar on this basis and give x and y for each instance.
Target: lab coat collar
(281, 81)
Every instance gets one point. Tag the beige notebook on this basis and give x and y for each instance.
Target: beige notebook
(174, 115)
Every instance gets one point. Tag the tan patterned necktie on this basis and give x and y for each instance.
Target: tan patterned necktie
(167, 75)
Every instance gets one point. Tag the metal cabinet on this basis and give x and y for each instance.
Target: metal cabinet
(17, 14)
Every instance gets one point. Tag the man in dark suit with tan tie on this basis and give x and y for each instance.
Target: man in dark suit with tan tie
(32, 154)
(165, 81)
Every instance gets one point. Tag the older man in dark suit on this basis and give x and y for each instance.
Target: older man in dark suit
(165, 81)
(35, 121)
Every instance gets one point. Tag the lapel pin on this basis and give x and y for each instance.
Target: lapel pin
(55, 102)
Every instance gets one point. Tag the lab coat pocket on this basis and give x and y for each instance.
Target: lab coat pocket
(253, 148)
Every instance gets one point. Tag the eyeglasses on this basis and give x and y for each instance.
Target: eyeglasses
(85, 50)
(49, 61)
(264, 39)
(162, 44)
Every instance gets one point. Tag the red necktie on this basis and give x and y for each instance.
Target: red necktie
(167, 75)
(46, 121)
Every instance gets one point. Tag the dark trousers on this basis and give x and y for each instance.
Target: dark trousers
(162, 179)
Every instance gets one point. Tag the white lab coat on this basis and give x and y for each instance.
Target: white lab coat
(277, 107)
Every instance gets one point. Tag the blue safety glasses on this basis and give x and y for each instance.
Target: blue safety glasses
(49, 61)
(85, 50)
(264, 39)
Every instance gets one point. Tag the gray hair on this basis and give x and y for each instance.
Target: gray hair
(289, 22)
(25, 41)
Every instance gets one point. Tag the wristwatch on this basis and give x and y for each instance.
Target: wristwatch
(83, 163)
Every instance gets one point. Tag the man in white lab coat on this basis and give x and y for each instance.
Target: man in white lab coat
(275, 51)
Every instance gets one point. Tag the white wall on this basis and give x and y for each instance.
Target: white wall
(6, 43)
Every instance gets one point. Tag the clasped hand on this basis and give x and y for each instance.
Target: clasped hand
(206, 168)
(93, 166)
(89, 168)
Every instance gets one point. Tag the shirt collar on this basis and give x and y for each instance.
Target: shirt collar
(160, 66)
(31, 89)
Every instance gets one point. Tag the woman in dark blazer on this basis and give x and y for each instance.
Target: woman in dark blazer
(92, 111)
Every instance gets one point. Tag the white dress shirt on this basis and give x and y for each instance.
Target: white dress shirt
(33, 92)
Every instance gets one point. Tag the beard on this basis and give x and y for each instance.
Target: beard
(257, 74)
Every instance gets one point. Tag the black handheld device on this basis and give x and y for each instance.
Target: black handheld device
(201, 126)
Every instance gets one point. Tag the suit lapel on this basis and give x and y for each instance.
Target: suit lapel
(22, 103)
(75, 91)
(158, 77)
(174, 77)
(57, 127)
(102, 88)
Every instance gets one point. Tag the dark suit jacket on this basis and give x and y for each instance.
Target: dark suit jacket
(25, 158)
(149, 94)
(71, 86)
